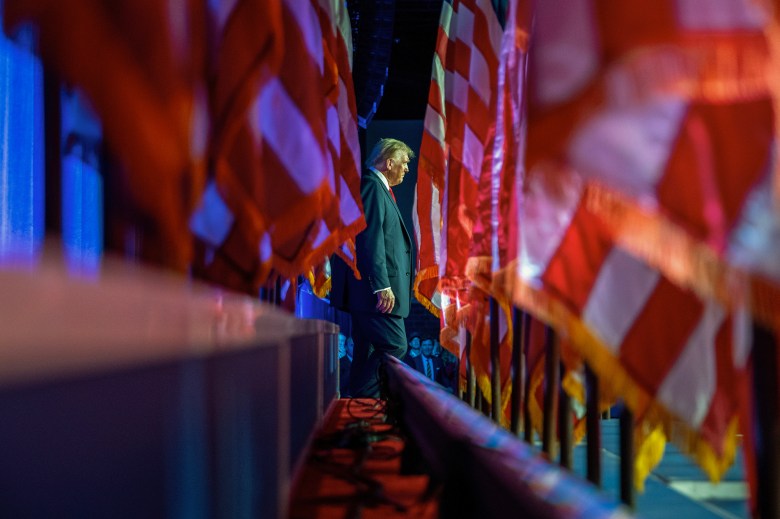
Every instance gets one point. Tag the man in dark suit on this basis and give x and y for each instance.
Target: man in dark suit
(379, 301)
(428, 364)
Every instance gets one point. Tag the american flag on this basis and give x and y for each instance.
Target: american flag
(228, 223)
(494, 229)
(671, 356)
(459, 125)
(140, 63)
(283, 196)
(434, 153)
(342, 134)
(458, 122)
(650, 130)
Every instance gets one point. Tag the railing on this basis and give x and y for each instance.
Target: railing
(140, 395)
(556, 422)
(484, 470)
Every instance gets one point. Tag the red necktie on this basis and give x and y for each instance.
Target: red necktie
(392, 194)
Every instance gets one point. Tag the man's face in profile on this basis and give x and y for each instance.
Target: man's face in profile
(398, 167)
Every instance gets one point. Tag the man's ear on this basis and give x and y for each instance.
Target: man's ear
(388, 164)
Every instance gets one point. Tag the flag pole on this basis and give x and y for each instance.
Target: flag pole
(565, 424)
(593, 425)
(519, 323)
(528, 431)
(552, 381)
(495, 361)
(471, 378)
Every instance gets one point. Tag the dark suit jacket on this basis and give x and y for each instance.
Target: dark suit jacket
(438, 368)
(384, 255)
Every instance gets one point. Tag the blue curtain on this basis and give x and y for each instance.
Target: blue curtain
(21, 148)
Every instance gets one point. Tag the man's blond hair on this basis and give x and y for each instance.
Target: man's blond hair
(387, 149)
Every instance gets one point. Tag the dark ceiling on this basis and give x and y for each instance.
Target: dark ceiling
(398, 36)
(415, 28)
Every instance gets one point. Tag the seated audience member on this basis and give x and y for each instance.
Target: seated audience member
(451, 367)
(345, 365)
(427, 364)
(414, 348)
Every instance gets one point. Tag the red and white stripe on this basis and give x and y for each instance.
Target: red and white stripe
(431, 169)
(458, 122)
(286, 150)
(688, 143)
(342, 123)
(494, 230)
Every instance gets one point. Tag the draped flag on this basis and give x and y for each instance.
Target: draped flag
(285, 151)
(650, 129)
(458, 126)
(495, 232)
(277, 124)
(432, 165)
(458, 121)
(470, 94)
(228, 224)
(342, 123)
(343, 142)
(673, 129)
(140, 63)
(669, 355)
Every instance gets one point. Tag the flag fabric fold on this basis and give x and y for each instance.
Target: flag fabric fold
(646, 150)
(458, 128)
(431, 170)
(150, 55)
(286, 164)
(272, 121)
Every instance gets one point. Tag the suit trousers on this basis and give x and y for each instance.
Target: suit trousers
(374, 336)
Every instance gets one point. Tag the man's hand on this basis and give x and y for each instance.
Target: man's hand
(385, 300)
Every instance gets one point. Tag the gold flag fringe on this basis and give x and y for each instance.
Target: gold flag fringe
(424, 275)
(650, 451)
(320, 285)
